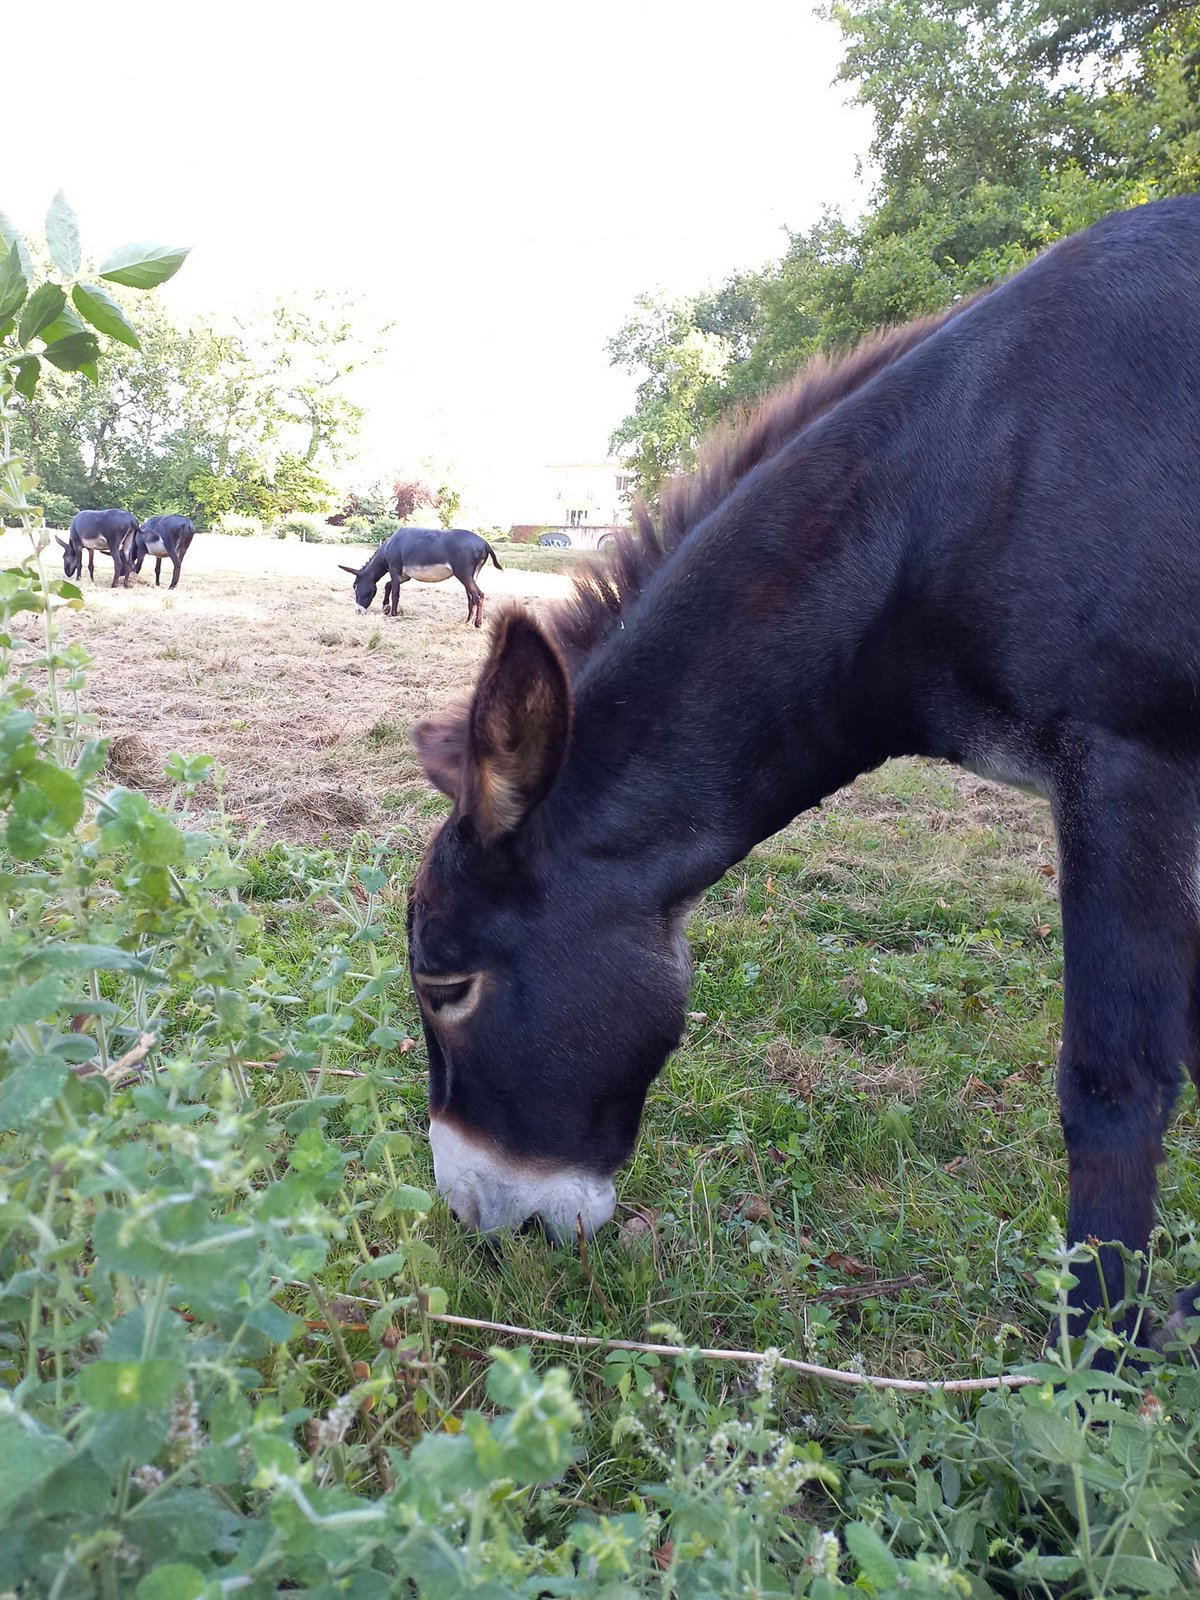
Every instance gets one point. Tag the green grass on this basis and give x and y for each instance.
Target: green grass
(865, 1094)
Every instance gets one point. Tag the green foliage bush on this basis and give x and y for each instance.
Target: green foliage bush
(308, 529)
(238, 526)
(383, 527)
(57, 509)
(318, 531)
(357, 530)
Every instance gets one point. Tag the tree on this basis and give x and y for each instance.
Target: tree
(55, 327)
(998, 128)
(305, 353)
(409, 495)
(202, 418)
(684, 361)
(449, 504)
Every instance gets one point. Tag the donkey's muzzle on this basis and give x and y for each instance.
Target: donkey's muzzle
(492, 1193)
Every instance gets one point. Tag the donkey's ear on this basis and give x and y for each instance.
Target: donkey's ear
(442, 746)
(62, 541)
(353, 571)
(520, 723)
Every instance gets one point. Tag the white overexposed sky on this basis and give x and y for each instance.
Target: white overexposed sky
(498, 180)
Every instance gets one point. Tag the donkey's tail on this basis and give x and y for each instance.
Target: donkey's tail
(492, 553)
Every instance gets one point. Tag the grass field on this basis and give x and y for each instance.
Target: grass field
(854, 1156)
(856, 1151)
(259, 659)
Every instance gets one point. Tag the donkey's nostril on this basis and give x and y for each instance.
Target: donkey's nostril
(464, 1203)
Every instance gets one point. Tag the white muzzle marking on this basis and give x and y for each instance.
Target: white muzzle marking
(491, 1194)
(362, 610)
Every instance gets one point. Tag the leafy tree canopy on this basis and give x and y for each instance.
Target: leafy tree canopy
(999, 127)
(203, 418)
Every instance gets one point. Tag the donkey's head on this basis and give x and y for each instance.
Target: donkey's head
(364, 587)
(72, 558)
(552, 985)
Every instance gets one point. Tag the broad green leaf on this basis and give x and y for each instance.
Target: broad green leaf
(15, 245)
(64, 792)
(127, 818)
(41, 309)
(27, 371)
(177, 1581)
(30, 1091)
(74, 352)
(407, 1197)
(120, 1385)
(62, 235)
(875, 1561)
(28, 1454)
(62, 326)
(60, 957)
(103, 312)
(31, 1004)
(1055, 1569)
(188, 1523)
(381, 1267)
(1055, 1435)
(124, 1244)
(1140, 1575)
(142, 266)
(14, 285)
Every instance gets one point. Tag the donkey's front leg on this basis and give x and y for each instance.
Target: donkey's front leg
(1127, 838)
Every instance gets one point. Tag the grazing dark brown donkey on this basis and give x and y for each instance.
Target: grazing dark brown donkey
(430, 555)
(977, 539)
(112, 531)
(165, 538)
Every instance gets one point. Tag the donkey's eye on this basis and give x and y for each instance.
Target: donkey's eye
(451, 998)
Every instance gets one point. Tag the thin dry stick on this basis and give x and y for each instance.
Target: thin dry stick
(810, 1369)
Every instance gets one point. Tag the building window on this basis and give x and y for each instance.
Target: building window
(624, 482)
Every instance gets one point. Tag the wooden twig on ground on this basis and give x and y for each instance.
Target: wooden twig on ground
(1011, 1380)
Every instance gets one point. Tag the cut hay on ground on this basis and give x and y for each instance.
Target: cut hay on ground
(305, 705)
(259, 659)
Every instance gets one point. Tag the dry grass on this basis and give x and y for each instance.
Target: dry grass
(305, 704)
(259, 659)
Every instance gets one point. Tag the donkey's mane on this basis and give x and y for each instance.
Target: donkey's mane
(605, 589)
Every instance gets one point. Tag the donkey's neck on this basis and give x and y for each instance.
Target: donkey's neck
(758, 672)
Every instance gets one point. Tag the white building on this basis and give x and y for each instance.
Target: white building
(585, 501)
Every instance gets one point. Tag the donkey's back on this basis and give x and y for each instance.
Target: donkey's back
(1049, 571)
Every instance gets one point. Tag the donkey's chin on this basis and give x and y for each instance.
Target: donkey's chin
(491, 1193)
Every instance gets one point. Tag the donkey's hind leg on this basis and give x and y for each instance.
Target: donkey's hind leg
(1127, 827)
(474, 601)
